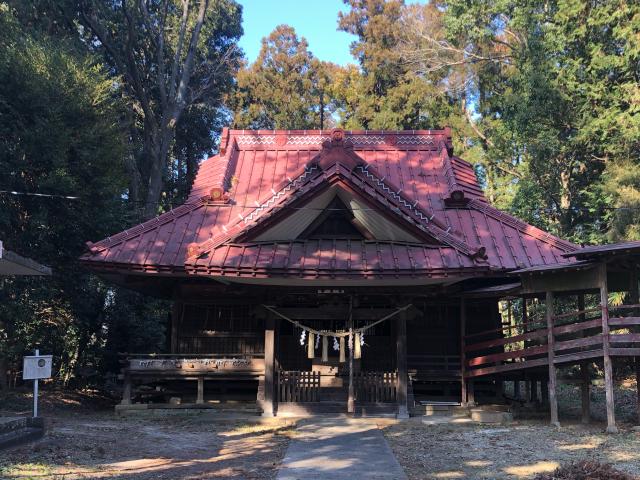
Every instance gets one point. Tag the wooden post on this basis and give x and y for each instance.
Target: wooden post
(200, 397)
(585, 392)
(585, 384)
(608, 368)
(176, 316)
(471, 394)
(463, 356)
(401, 363)
(126, 391)
(553, 399)
(635, 300)
(269, 370)
(637, 361)
(516, 389)
(544, 392)
(351, 400)
(529, 385)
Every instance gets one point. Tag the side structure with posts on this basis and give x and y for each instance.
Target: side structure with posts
(600, 333)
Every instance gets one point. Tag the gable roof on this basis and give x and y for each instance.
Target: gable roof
(259, 178)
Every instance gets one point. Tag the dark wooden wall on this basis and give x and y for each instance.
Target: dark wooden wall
(433, 335)
(220, 329)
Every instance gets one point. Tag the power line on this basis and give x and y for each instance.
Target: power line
(46, 195)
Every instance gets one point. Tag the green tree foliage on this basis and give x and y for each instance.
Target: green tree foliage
(385, 93)
(557, 99)
(60, 135)
(175, 61)
(286, 87)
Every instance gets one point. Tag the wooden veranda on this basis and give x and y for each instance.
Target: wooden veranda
(579, 334)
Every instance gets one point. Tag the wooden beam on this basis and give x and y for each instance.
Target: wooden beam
(269, 368)
(569, 281)
(608, 367)
(401, 362)
(553, 399)
(463, 358)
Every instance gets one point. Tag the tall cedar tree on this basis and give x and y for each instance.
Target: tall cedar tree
(557, 89)
(384, 93)
(286, 87)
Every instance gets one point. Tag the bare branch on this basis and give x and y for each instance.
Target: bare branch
(181, 96)
(157, 38)
(179, 45)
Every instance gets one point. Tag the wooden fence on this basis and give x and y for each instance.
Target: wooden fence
(298, 386)
(375, 387)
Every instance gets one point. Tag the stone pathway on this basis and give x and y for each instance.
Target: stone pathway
(337, 449)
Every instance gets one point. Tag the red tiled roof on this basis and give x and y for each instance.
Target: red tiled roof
(260, 177)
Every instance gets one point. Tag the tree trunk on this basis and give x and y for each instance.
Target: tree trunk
(565, 201)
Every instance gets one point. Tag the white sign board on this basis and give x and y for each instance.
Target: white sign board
(36, 366)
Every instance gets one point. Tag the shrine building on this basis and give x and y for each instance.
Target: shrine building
(363, 272)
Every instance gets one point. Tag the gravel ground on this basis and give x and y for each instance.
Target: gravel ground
(105, 446)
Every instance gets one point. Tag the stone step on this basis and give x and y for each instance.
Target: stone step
(430, 410)
(9, 424)
(18, 437)
(489, 415)
(18, 430)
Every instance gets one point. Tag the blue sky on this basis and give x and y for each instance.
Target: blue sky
(316, 20)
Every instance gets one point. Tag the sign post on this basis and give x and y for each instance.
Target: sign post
(34, 368)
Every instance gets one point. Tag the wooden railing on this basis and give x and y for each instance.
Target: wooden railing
(524, 345)
(298, 386)
(375, 387)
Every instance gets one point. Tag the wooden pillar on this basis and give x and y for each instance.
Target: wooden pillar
(401, 362)
(351, 398)
(516, 389)
(200, 397)
(471, 393)
(634, 297)
(553, 399)
(608, 367)
(463, 356)
(585, 392)
(176, 316)
(126, 391)
(530, 386)
(269, 367)
(637, 361)
(585, 384)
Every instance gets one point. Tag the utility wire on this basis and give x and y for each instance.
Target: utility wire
(31, 194)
